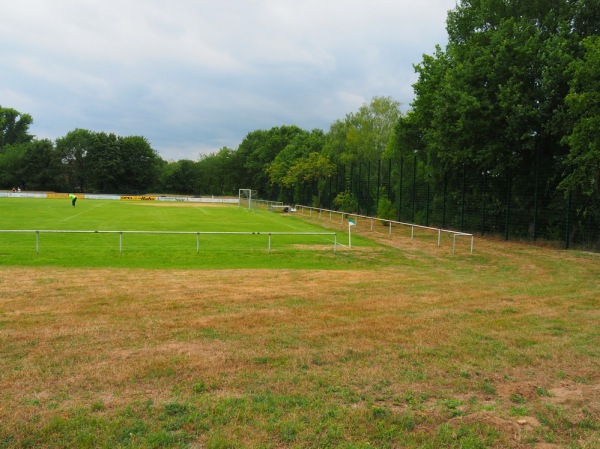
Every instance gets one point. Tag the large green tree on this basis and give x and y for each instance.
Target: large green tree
(104, 163)
(363, 135)
(492, 103)
(34, 165)
(256, 153)
(140, 164)
(299, 147)
(73, 148)
(14, 137)
(495, 97)
(14, 127)
(41, 166)
(181, 177)
(12, 161)
(312, 169)
(290, 159)
(217, 173)
(583, 100)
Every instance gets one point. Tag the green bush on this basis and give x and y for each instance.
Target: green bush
(346, 202)
(385, 208)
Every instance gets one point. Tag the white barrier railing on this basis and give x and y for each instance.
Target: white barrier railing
(197, 234)
(413, 226)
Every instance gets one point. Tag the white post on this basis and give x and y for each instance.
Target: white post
(37, 243)
(349, 235)
(350, 224)
(439, 237)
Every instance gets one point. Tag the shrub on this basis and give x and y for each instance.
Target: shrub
(346, 202)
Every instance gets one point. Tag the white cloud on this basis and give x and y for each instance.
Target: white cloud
(195, 75)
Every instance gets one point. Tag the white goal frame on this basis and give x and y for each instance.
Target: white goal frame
(245, 197)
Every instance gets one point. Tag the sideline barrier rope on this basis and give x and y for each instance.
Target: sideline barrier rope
(197, 233)
(413, 226)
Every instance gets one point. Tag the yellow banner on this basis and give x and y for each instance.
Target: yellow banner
(61, 196)
(139, 198)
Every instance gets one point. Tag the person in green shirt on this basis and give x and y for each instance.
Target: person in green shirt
(73, 199)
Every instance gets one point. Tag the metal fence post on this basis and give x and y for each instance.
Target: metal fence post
(508, 201)
(400, 188)
(568, 224)
(464, 194)
(483, 205)
(414, 192)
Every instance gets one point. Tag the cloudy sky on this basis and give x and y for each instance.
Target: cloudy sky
(193, 76)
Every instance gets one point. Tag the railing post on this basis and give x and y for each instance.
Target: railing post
(37, 243)
(197, 243)
(120, 242)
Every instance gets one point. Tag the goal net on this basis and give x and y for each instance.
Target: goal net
(246, 198)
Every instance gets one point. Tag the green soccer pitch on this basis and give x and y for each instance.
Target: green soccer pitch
(177, 235)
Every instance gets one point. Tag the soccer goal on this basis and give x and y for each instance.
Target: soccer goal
(246, 198)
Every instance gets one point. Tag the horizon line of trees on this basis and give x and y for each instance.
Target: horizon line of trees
(266, 160)
(513, 96)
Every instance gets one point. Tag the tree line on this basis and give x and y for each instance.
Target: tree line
(512, 100)
(269, 161)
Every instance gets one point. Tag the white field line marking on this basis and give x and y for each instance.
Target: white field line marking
(85, 211)
(273, 219)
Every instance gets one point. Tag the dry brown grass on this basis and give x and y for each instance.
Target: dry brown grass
(512, 326)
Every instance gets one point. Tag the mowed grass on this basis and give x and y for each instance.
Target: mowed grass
(423, 349)
(161, 250)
